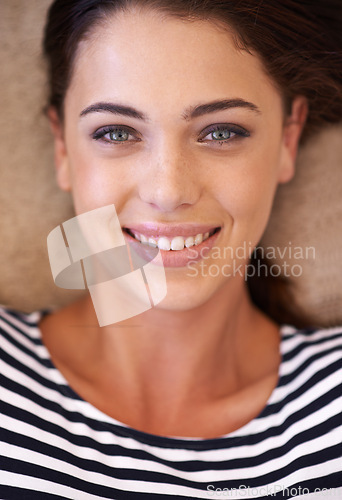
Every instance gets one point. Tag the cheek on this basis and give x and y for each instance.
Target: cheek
(93, 185)
(95, 181)
(247, 191)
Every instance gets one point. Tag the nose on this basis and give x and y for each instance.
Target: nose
(170, 180)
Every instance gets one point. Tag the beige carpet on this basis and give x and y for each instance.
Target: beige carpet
(307, 212)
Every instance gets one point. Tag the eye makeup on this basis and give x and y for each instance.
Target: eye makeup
(221, 133)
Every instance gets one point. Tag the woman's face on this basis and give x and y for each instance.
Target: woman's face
(172, 124)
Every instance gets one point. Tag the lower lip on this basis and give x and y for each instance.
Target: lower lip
(174, 258)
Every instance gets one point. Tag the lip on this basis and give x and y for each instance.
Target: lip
(154, 230)
(174, 258)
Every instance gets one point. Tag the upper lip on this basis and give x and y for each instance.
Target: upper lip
(155, 230)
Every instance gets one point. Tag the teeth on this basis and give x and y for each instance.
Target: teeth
(176, 243)
(164, 243)
(189, 242)
(152, 242)
(198, 239)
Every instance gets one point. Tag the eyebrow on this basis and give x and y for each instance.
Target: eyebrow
(189, 114)
(212, 107)
(116, 109)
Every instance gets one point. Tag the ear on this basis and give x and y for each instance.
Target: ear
(292, 131)
(60, 155)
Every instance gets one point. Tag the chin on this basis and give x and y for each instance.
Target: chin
(188, 293)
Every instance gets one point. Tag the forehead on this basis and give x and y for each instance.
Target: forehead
(144, 55)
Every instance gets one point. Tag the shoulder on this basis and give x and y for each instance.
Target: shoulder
(19, 335)
(311, 345)
(14, 323)
(312, 362)
(17, 318)
(311, 340)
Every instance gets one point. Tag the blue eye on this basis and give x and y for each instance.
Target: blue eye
(115, 135)
(223, 133)
(118, 135)
(216, 134)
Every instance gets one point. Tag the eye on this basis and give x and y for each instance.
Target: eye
(223, 133)
(115, 135)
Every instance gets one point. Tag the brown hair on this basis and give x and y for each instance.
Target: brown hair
(299, 42)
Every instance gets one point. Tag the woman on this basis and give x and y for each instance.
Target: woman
(186, 117)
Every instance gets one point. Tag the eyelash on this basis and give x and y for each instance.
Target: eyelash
(100, 133)
(238, 132)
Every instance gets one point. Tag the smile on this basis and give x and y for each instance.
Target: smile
(178, 244)
(175, 243)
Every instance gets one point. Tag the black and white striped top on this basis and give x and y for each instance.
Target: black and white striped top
(56, 445)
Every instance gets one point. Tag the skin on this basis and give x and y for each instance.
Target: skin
(205, 361)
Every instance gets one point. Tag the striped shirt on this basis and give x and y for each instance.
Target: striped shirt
(55, 445)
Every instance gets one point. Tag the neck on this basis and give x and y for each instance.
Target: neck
(209, 346)
(159, 369)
